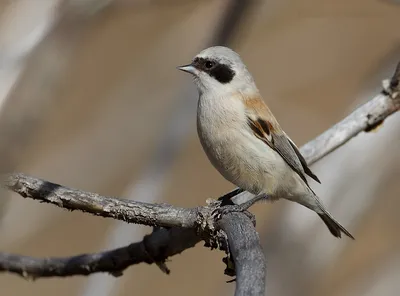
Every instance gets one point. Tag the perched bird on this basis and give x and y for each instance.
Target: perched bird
(242, 138)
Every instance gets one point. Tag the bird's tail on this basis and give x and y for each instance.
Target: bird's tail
(334, 226)
(312, 202)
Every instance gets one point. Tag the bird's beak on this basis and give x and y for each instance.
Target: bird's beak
(188, 68)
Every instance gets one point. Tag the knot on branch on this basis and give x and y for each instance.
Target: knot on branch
(209, 228)
(391, 87)
(213, 236)
(156, 253)
(207, 218)
(391, 90)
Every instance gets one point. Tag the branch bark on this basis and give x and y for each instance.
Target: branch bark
(183, 228)
(246, 252)
(154, 248)
(188, 225)
(161, 215)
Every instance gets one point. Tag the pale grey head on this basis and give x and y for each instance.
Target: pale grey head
(219, 69)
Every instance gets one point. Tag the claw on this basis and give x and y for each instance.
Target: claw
(224, 210)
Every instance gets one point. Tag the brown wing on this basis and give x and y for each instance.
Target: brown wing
(282, 145)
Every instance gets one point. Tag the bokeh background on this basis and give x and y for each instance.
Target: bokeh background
(90, 98)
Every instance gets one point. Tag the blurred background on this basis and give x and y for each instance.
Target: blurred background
(90, 98)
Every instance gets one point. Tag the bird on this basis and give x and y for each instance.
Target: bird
(243, 140)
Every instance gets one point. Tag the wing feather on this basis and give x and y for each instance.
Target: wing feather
(282, 145)
(306, 168)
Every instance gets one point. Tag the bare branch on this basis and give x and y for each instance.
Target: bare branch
(189, 226)
(155, 248)
(162, 215)
(246, 253)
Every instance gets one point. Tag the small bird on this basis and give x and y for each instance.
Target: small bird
(242, 138)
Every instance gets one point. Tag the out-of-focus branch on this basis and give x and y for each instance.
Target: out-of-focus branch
(23, 26)
(37, 42)
(152, 179)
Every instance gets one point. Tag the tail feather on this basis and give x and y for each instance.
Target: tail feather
(334, 226)
(312, 202)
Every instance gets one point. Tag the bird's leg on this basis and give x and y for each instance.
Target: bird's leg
(226, 199)
(244, 206)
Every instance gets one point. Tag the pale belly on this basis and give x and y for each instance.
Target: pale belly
(248, 163)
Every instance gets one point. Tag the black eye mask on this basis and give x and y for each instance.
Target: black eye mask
(221, 72)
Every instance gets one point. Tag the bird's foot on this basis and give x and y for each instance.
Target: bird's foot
(228, 209)
(241, 208)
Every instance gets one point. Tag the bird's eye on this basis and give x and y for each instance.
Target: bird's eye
(209, 64)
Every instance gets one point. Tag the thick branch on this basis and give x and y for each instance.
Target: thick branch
(246, 252)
